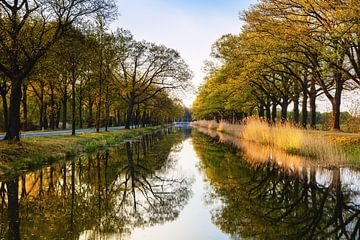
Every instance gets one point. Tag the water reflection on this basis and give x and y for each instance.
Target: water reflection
(139, 191)
(105, 195)
(272, 198)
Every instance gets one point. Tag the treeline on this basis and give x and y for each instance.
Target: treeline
(288, 54)
(60, 66)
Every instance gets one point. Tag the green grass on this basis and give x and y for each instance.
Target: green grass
(37, 151)
(350, 145)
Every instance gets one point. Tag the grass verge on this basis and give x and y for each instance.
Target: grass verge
(37, 151)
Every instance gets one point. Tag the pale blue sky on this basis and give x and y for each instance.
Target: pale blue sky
(189, 26)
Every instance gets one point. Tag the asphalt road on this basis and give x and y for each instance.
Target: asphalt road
(52, 133)
(338, 133)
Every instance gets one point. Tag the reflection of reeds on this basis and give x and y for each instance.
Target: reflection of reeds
(293, 140)
(259, 155)
(234, 129)
(283, 137)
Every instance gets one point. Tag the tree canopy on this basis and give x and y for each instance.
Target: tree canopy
(287, 52)
(58, 56)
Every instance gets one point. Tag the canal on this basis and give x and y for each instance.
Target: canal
(182, 183)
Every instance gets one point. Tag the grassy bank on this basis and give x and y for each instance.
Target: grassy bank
(37, 151)
(350, 145)
(329, 150)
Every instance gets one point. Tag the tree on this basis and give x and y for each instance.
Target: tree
(29, 29)
(72, 50)
(289, 50)
(145, 70)
(4, 89)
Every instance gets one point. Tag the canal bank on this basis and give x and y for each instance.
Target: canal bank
(324, 148)
(35, 151)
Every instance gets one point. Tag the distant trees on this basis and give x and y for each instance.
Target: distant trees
(50, 64)
(146, 70)
(291, 52)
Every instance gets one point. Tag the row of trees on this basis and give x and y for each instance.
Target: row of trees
(289, 52)
(60, 64)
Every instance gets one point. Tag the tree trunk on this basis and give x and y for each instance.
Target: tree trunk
(296, 111)
(114, 123)
(41, 105)
(98, 110)
(312, 96)
(13, 208)
(65, 96)
(137, 116)
(273, 113)
(284, 109)
(304, 109)
(98, 114)
(73, 106)
(52, 107)
(118, 123)
(107, 108)
(144, 119)
(81, 124)
(5, 111)
(13, 132)
(45, 120)
(336, 103)
(261, 110)
(58, 115)
(296, 103)
(90, 117)
(129, 119)
(25, 111)
(268, 111)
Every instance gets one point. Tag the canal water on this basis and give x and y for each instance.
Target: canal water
(182, 184)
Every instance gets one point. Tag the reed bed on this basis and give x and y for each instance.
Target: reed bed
(286, 137)
(213, 125)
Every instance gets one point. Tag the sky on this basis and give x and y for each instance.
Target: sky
(189, 26)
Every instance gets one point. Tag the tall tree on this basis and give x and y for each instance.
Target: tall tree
(146, 69)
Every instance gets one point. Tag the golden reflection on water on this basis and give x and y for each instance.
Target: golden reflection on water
(257, 154)
(100, 196)
(269, 194)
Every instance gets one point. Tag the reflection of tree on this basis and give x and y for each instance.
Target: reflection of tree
(265, 201)
(110, 192)
(13, 209)
(148, 196)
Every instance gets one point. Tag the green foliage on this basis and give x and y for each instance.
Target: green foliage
(288, 51)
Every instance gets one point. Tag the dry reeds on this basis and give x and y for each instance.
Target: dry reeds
(286, 137)
(294, 140)
(213, 125)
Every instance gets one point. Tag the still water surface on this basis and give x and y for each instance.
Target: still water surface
(182, 184)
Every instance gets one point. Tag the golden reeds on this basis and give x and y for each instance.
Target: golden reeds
(285, 136)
